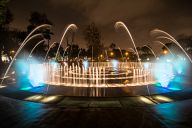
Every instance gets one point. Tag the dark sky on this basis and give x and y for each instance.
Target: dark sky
(141, 16)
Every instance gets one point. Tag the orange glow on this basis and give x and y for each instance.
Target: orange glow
(126, 53)
(165, 51)
(111, 53)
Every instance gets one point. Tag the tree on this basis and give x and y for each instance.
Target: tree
(145, 50)
(5, 15)
(112, 45)
(5, 18)
(37, 19)
(93, 37)
(186, 42)
(73, 50)
(53, 51)
(10, 40)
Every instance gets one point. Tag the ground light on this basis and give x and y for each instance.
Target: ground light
(34, 98)
(162, 98)
(145, 100)
(49, 99)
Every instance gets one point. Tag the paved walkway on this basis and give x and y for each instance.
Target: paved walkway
(21, 109)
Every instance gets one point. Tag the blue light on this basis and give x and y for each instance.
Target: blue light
(115, 64)
(175, 89)
(22, 66)
(36, 74)
(22, 72)
(164, 73)
(168, 112)
(54, 65)
(180, 65)
(86, 64)
(26, 88)
(146, 65)
(168, 60)
(169, 71)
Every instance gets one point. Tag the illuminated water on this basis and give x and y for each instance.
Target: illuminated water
(171, 38)
(27, 39)
(71, 26)
(151, 50)
(107, 74)
(95, 74)
(42, 41)
(121, 24)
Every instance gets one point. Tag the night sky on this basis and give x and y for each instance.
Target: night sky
(141, 16)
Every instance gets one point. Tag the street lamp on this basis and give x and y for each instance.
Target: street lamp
(111, 53)
(165, 52)
(126, 54)
(12, 51)
(101, 56)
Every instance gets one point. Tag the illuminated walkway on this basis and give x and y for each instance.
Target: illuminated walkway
(172, 109)
(162, 96)
(25, 109)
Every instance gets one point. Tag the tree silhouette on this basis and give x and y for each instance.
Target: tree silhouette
(112, 45)
(5, 15)
(5, 18)
(93, 37)
(37, 19)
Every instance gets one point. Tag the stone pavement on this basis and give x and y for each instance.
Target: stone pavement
(22, 109)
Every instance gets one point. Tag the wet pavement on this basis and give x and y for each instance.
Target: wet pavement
(23, 114)
(22, 109)
(175, 114)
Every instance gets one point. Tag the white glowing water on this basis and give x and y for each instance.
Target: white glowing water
(121, 52)
(151, 50)
(121, 24)
(71, 26)
(164, 46)
(98, 74)
(49, 50)
(171, 38)
(65, 51)
(27, 39)
(35, 47)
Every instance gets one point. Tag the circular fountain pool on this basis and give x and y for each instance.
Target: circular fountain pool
(112, 78)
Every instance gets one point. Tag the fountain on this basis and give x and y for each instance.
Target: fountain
(164, 46)
(85, 77)
(27, 39)
(121, 53)
(42, 41)
(151, 50)
(71, 26)
(171, 38)
(121, 24)
(49, 50)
